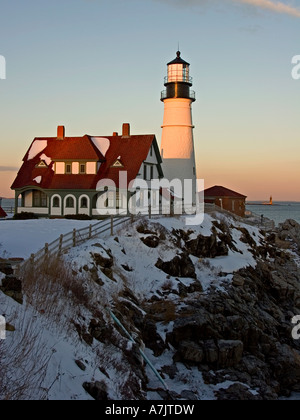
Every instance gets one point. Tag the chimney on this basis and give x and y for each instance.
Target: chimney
(126, 130)
(115, 134)
(60, 132)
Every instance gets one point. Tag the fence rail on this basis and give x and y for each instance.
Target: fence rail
(9, 209)
(252, 219)
(74, 238)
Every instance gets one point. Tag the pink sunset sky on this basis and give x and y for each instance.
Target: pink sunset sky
(93, 65)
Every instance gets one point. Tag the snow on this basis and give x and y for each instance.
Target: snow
(178, 223)
(58, 340)
(37, 147)
(186, 379)
(46, 159)
(21, 238)
(102, 144)
(144, 278)
(2, 276)
(38, 179)
(63, 379)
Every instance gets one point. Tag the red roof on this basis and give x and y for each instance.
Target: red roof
(69, 148)
(2, 213)
(131, 151)
(218, 191)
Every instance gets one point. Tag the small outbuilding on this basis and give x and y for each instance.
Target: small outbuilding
(226, 199)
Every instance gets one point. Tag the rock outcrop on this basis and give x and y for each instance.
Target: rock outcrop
(290, 230)
(180, 266)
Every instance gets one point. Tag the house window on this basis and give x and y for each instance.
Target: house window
(39, 199)
(68, 168)
(82, 168)
(141, 198)
(84, 203)
(151, 150)
(151, 172)
(111, 200)
(70, 203)
(145, 172)
(119, 200)
(56, 202)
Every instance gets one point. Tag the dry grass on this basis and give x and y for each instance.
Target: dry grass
(161, 311)
(47, 284)
(55, 292)
(24, 361)
(167, 286)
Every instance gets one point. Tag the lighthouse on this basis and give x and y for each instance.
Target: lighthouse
(177, 144)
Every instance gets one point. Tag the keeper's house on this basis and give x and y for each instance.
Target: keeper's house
(59, 176)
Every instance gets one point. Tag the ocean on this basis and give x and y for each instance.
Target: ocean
(279, 212)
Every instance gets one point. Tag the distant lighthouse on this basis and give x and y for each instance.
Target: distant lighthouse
(177, 144)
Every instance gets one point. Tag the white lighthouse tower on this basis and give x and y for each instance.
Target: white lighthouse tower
(177, 145)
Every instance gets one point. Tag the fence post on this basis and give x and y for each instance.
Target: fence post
(111, 225)
(32, 259)
(90, 232)
(150, 214)
(46, 250)
(61, 238)
(74, 238)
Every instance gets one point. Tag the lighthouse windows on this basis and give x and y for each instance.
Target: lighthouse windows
(178, 73)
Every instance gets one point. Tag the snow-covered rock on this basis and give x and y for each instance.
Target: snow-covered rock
(209, 306)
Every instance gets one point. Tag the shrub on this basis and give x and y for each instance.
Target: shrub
(25, 216)
(167, 286)
(78, 217)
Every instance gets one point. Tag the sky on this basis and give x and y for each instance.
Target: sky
(92, 65)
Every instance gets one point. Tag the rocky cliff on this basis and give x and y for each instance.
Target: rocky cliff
(211, 307)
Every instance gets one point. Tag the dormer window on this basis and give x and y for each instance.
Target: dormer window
(117, 164)
(42, 164)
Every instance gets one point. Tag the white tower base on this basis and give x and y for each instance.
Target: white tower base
(177, 145)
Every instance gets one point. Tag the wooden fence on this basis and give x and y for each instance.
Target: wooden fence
(9, 209)
(75, 238)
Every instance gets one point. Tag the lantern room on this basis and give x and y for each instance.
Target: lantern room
(178, 70)
(178, 80)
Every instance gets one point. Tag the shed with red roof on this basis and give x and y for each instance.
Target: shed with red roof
(226, 199)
